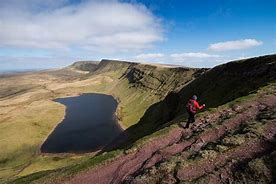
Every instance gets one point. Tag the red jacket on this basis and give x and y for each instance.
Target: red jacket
(193, 105)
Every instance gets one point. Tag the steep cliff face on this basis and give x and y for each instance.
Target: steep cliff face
(138, 86)
(160, 81)
(215, 87)
(112, 65)
(85, 65)
(232, 80)
(227, 82)
(104, 65)
(173, 86)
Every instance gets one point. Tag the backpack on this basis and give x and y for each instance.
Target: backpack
(191, 106)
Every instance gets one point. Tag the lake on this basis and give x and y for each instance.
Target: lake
(89, 124)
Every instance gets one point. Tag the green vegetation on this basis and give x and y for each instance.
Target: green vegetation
(258, 170)
(215, 87)
(67, 172)
(28, 114)
(151, 101)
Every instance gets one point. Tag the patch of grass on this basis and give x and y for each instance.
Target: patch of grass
(259, 170)
(22, 134)
(28, 179)
(52, 176)
(42, 163)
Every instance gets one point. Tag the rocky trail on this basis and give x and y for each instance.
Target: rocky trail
(211, 151)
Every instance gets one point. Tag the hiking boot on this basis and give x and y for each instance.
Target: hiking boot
(183, 124)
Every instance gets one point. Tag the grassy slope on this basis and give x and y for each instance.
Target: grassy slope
(218, 86)
(258, 170)
(252, 131)
(138, 86)
(28, 113)
(25, 121)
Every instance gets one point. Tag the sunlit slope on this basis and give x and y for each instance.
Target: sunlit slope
(215, 87)
(137, 86)
(28, 114)
(234, 141)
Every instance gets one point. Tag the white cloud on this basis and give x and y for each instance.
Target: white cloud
(189, 59)
(192, 55)
(234, 45)
(196, 59)
(150, 56)
(21, 63)
(100, 26)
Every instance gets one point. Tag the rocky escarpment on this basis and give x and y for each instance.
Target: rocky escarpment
(214, 87)
(85, 65)
(231, 80)
(213, 150)
(138, 86)
(113, 65)
(160, 80)
(104, 65)
(217, 86)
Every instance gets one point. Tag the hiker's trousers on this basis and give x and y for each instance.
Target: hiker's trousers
(191, 118)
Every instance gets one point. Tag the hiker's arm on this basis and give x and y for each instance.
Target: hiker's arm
(199, 107)
(202, 106)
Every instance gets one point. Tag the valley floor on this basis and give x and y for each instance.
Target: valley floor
(28, 115)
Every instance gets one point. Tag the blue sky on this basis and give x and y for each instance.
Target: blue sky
(195, 33)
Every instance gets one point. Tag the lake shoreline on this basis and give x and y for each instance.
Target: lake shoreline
(118, 115)
(77, 149)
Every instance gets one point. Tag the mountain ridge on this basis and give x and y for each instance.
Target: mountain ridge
(240, 97)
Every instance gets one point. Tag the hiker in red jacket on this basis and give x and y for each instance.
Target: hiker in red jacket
(192, 107)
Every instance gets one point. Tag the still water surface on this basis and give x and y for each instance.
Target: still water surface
(89, 124)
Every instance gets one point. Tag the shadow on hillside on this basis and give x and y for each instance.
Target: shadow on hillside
(216, 87)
